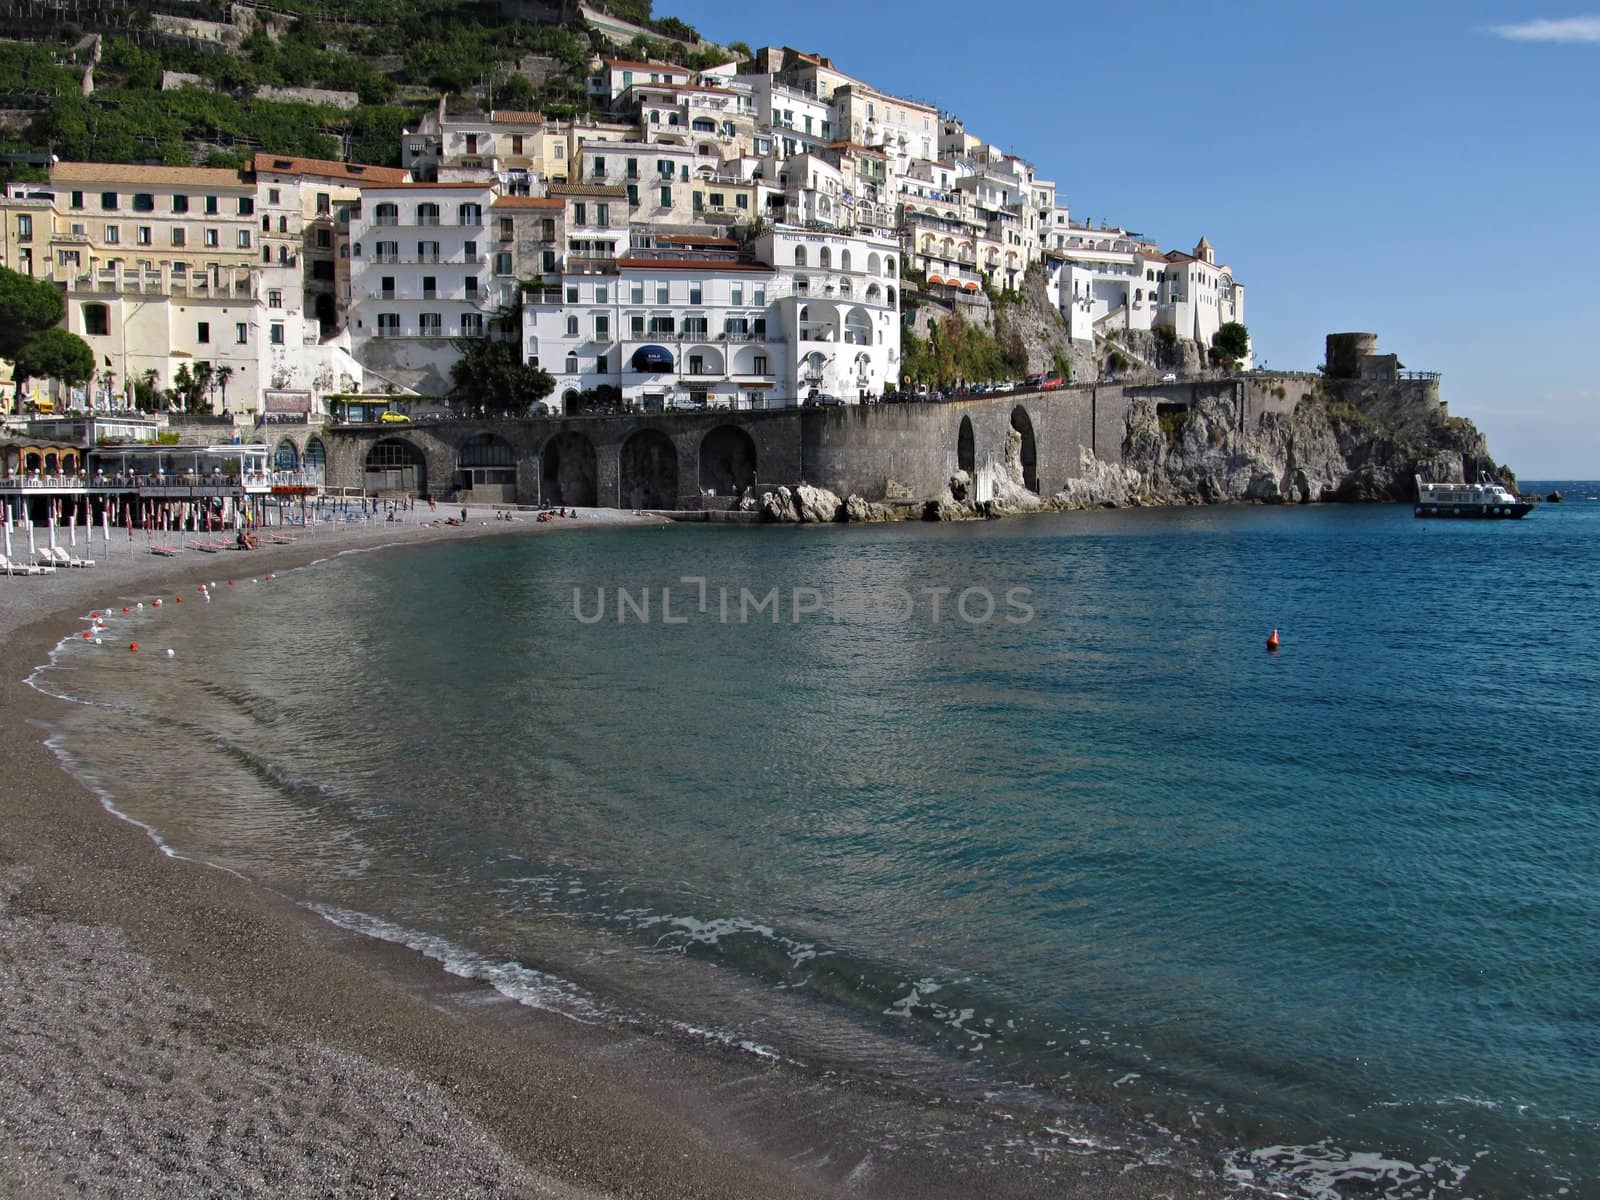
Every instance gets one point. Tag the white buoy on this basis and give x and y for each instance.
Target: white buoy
(141, 606)
(171, 654)
(97, 641)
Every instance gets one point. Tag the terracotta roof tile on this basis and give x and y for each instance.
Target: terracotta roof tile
(516, 116)
(328, 169)
(529, 202)
(72, 172)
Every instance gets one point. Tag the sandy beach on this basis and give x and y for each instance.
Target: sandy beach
(170, 1029)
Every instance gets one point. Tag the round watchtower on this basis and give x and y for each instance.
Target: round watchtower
(1345, 352)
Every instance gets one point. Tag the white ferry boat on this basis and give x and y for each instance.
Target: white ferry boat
(1486, 498)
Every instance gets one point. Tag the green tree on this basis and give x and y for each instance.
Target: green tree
(741, 50)
(491, 379)
(30, 311)
(1230, 344)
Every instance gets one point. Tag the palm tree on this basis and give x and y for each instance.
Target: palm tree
(224, 373)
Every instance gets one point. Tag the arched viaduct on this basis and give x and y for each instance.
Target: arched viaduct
(696, 460)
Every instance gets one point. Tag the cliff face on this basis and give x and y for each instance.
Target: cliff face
(1337, 445)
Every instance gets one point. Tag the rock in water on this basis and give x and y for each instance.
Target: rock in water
(817, 506)
(859, 511)
(1555, 498)
(779, 506)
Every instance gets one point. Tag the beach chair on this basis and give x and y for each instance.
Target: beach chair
(166, 551)
(16, 568)
(64, 557)
(44, 565)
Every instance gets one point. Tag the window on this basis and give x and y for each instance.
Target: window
(666, 197)
(760, 365)
(636, 327)
(471, 324)
(547, 261)
(633, 167)
(67, 258)
(241, 333)
(77, 199)
(275, 333)
(470, 214)
(572, 364)
(144, 235)
(633, 194)
(386, 287)
(324, 239)
(244, 239)
(177, 237)
(144, 202)
(799, 256)
(638, 293)
(698, 201)
(24, 228)
(388, 324)
(663, 293)
(213, 205)
(274, 196)
(601, 365)
(428, 252)
(580, 213)
(718, 201)
(324, 204)
(108, 201)
(274, 299)
(599, 168)
(662, 325)
(602, 327)
(431, 324)
(430, 286)
(737, 294)
(602, 214)
(266, 225)
(113, 235)
(247, 206)
(516, 143)
(507, 229)
(572, 293)
(322, 270)
(472, 143)
(386, 214)
(694, 327)
(427, 214)
(180, 204)
(664, 168)
(202, 332)
(386, 252)
(502, 263)
(760, 298)
(601, 295)
(572, 326)
(211, 237)
(696, 294)
(469, 252)
(96, 320)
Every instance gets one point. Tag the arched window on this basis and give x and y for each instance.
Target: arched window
(572, 364)
(572, 326)
(800, 256)
(427, 214)
(825, 259)
(386, 214)
(844, 260)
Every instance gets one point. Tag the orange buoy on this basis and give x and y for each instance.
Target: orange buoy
(180, 599)
(1272, 640)
(133, 645)
(124, 608)
(87, 635)
(158, 604)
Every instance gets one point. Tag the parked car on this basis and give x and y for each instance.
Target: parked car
(1169, 377)
(1051, 382)
(394, 418)
(823, 400)
(1005, 386)
(1034, 382)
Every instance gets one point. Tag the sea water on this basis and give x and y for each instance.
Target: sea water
(1023, 812)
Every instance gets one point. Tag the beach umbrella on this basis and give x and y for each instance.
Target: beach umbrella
(72, 528)
(105, 527)
(31, 551)
(8, 536)
(51, 517)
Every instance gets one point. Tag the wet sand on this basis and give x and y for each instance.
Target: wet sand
(170, 1029)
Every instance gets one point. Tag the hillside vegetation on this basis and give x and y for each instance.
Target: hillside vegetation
(396, 56)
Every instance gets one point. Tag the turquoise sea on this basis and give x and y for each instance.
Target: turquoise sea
(1326, 919)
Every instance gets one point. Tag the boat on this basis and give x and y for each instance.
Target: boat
(1484, 499)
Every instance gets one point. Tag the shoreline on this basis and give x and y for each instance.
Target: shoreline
(157, 994)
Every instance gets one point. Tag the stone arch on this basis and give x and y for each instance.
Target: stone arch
(1029, 449)
(711, 361)
(874, 294)
(286, 457)
(395, 465)
(567, 471)
(966, 448)
(648, 468)
(888, 295)
(727, 461)
(858, 327)
(314, 461)
(744, 360)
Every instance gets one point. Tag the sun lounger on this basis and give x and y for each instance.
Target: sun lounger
(204, 547)
(166, 551)
(65, 558)
(17, 568)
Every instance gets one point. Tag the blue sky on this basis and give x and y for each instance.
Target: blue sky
(1428, 171)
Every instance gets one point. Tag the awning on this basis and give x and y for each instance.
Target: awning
(935, 278)
(652, 358)
(970, 286)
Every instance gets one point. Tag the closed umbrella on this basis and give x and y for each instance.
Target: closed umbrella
(32, 553)
(72, 528)
(8, 537)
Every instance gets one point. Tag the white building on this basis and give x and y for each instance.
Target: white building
(1197, 297)
(419, 279)
(668, 329)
